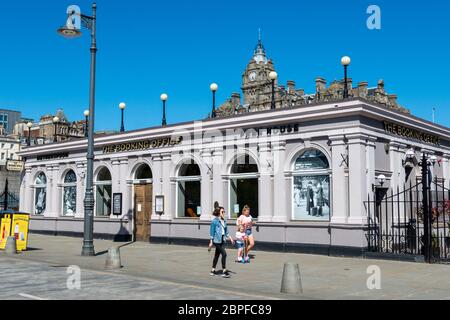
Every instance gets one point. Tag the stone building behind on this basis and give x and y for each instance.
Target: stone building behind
(257, 90)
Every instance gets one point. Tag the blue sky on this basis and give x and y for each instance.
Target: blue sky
(179, 47)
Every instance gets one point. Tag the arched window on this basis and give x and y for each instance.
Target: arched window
(70, 193)
(40, 195)
(103, 193)
(244, 187)
(189, 190)
(311, 187)
(144, 172)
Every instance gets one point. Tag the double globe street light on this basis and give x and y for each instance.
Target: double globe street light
(71, 30)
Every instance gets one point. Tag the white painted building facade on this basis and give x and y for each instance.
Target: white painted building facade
(305, 171)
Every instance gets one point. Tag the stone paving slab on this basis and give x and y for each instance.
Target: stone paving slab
(322, 277)
(27, 280)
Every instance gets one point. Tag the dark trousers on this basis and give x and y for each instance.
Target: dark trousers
(220, 251)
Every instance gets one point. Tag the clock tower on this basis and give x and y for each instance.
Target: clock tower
(256, 85)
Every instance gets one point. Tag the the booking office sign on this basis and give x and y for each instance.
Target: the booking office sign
(142, 145)
(415, 134)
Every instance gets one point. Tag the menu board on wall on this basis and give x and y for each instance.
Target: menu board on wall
(159, 205)
(117, 204)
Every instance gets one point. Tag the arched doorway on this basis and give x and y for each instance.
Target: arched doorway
(189, 190)
(311, 187)
(143, 202)
(244, 187)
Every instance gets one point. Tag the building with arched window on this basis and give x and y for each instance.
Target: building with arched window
(306, 170)
(70, 193)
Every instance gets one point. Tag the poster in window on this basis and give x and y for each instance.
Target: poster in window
(40, 201)
(311, 198)
(70, 200)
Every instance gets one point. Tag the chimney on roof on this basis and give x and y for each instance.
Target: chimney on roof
(291, 86)
(349, 83)
(381, 85)
(392, 100)
(235, 99)
(363, 89)
(321, 84)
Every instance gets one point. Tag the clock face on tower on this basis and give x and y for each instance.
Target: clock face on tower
(252, 76)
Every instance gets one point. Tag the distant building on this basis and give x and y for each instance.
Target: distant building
(8, 119)
(46, 131)
(257, 90)
(9, 149)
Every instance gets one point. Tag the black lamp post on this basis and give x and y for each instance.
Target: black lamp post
(122, 107)
(273, 76)
(55, 122)
(71, 31)
(86, 125)
(345, 61)
(29, 126)
(164, 98)
(214, 87)
(425, 164)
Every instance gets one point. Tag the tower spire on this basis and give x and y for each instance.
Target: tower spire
(259, 54)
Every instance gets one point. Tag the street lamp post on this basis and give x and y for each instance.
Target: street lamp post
(55, 123)
(214, 87)
(122, 107)
(345, 61)
(425, 164)
(69, 31)
(273, 76)
(29, 126)
(86, 125)
(164, 98)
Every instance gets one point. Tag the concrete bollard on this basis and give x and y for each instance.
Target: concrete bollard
(292, 282)
(113, 261)
(11, 246)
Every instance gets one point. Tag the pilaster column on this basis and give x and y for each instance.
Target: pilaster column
(54, 194)
(81, 188)
(397, 152)
(168, 193)
(370, 164)
(265, 196)
(206, 186)
(26, 192)
(125, 189)
(339, 192)
(281, 196)
(218, 190)
(446, 169)
(116, 177)
(357, 178)
(157, 182)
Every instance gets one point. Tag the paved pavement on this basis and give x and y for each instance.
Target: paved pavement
(26, 280)
(181, 272)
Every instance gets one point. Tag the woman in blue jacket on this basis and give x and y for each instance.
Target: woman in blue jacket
(219, 235)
